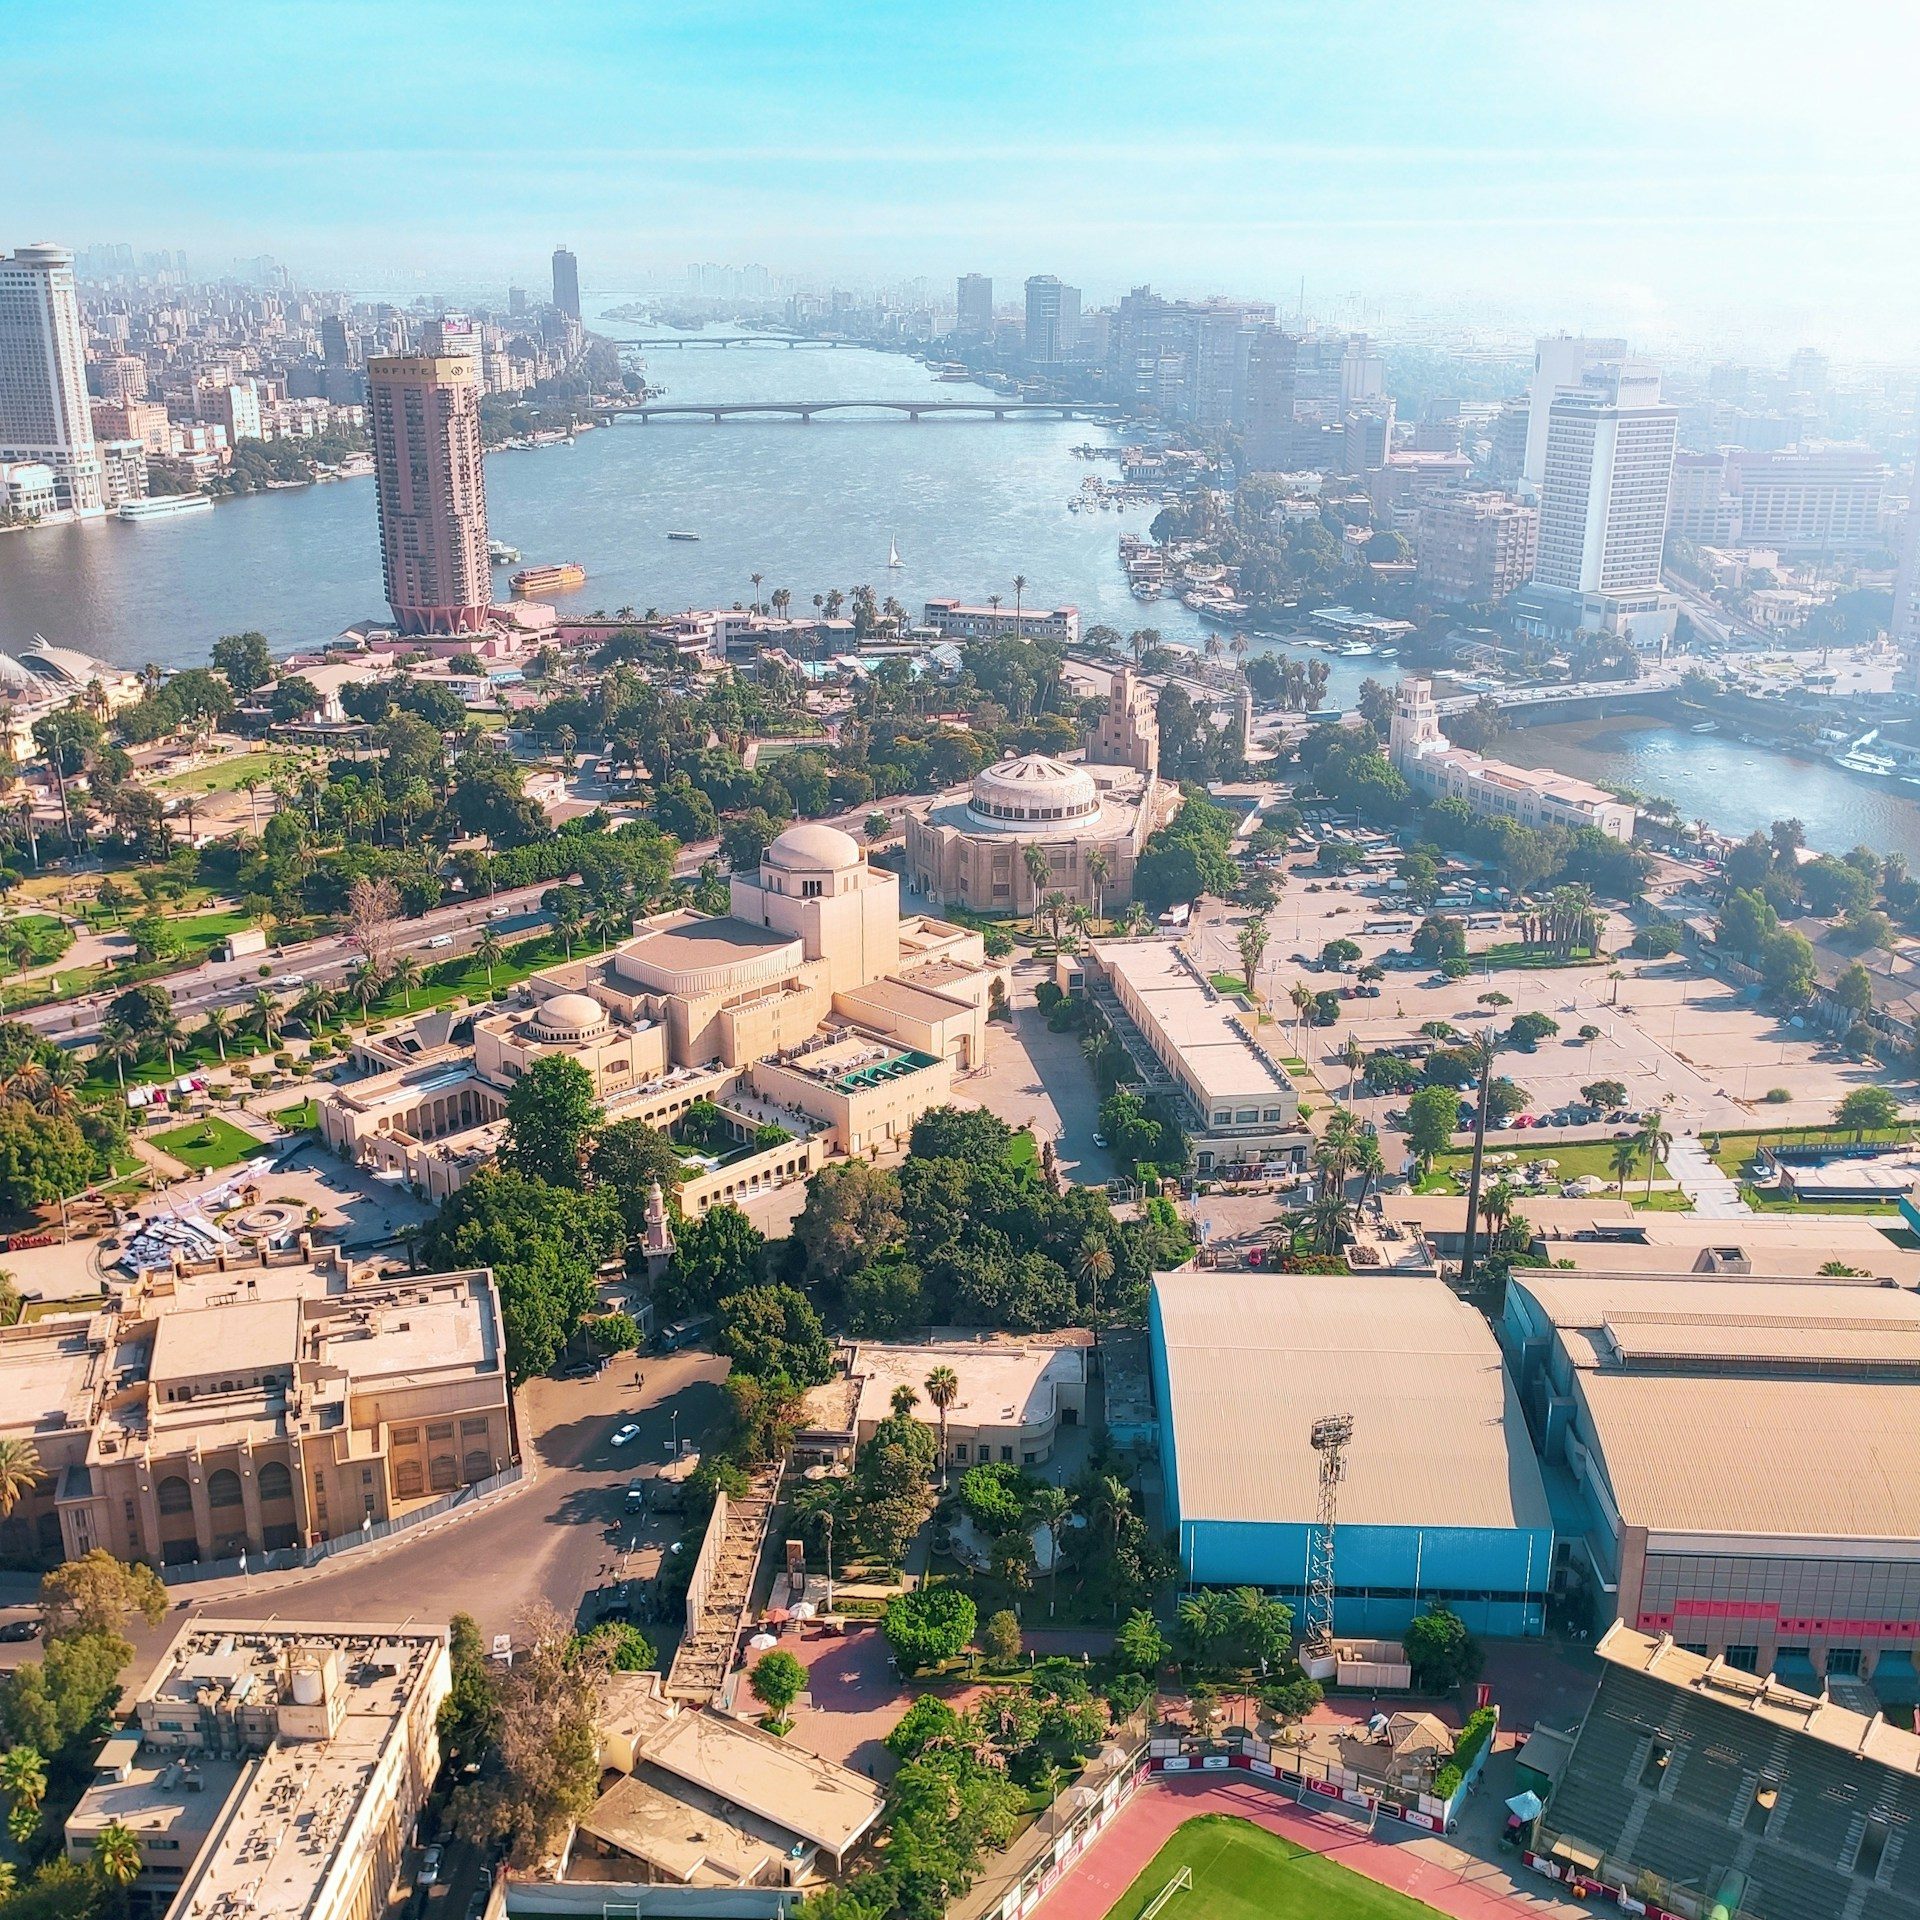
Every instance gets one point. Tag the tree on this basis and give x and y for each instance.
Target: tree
(1867, 1109)
(1529, 1029)
(551, 1113)
(961, 1133)
(774, 1331)
(626, 1648)
(116, 1855)
(1253, 944)
(777, 1680)
(852, 1214)
(929, 1625)
(1854, 989)
(99, 1594)
(245, 659)
(626, 1159)
(1653, 1140)
(266, 1014)
(20, 1472)
(489, 950)
(120, 1044)
(404, 976)
(1440, 1650)
(1433, 1116)
(715, 1255)
(943, 1389)
(43, 1156)
(1787, 964)
(1139, 1646)
(1000, 1637)
(1606, 1094)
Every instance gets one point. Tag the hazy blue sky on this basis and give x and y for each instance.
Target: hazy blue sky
(1680, 169)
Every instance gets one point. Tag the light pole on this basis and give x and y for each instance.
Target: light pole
(826, 1521)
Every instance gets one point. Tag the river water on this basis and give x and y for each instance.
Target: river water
(970, 503)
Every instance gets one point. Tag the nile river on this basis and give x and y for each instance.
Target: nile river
(970, 504)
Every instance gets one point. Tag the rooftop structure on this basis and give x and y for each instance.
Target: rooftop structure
(201, 1415)
(1188, 1042)
(273, 1770)
(1701, 1787)
(1442, 1497)
(1531, 796)
(955, 620)
(1733, 1455)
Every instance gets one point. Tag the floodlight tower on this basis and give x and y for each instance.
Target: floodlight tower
(1329, 1436)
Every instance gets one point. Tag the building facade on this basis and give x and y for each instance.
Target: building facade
(206, 1414)
(1053, 319)
(566, 282)
(954, 620)
(1271, 357)
(45, 415)
(1528, 796)
(973, 307)
(423, 415)
(1559, 365)
(1905, 625)
(1476, 548)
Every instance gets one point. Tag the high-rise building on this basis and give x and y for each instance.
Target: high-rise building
(45, 416)
(1476, 548)
(1559, 365)
(1807, 373)
(1363, 373)
(1269, 406)
(1053, 319)
(423, 413)
(334, 346)
(121, 376)
(516, 301)
(1604, 493)
(566, 282)
(973, 307)
(1906, 589)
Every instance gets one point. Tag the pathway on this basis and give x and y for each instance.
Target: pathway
(1715, 1195)
(1425, 1867)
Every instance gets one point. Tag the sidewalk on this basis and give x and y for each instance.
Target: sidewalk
(1714, 1195)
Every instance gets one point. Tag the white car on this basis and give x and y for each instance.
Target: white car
(626, 1434)
(430, 1866)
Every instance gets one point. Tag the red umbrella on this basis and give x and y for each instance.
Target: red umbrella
(775, 1613)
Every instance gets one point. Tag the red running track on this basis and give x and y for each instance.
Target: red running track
(1115, 1860)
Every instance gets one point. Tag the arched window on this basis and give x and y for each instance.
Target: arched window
(408, 1480)
(174, 1495)
(276, 1483)
(223, 1488)
(47, 1530)
(479, 1463)
(446, 1473)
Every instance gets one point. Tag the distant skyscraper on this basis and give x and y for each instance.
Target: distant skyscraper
(423, 412)
(1053, 319)
(566, 283)
(516, 301)
(1807, 373)
(45, 415)
(1559, 364)
(1604, 492)
(334, 347)
(1906, 589)
(1270, 386)
(973, 307)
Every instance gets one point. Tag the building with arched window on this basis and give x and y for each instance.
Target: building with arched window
(201, 1416)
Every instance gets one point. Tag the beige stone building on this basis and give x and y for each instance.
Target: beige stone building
(815, 1007)
(199, 1416)
(272, 1769)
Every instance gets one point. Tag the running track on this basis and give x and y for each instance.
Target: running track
(1111, 1865)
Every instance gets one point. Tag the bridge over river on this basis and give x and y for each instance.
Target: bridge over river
(805, 410)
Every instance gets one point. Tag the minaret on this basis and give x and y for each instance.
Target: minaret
(657, 1242)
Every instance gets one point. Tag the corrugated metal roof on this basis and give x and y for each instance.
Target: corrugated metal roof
(1253, 1359)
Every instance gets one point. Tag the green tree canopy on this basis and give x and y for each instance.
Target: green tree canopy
(551, 1114)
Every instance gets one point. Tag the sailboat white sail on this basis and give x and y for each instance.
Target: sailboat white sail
(893, 553)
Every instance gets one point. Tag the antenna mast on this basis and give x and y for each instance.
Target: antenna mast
(1329, 1435)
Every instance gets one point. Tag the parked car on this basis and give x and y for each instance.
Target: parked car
(441, 940)
(430, 1866)
(1100, 1140)
(636, 1495)
(20, 1630)
(625, 1436)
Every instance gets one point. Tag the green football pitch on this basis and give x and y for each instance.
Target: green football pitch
(1242, 1872)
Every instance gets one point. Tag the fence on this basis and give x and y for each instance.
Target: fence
(288, 1559)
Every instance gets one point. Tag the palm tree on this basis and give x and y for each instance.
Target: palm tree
(756, 592)
(1048, 1506)
(1328, 1217)
(23, 1777)
(905, 1399)
(316, 1006)
(266, 1015)
(1369, 1164)
(1019, 589)
(120, 1044)
(1034, 859)
(251, 786)
(1496, 1204)
(19, 1472)
(1205, 1618)
(1253, 943)
(218, 1027)
(1624, 1159)
(405, 974)
(943, 1389)
(1654, 1139)
(365, 983)
(1099, 872)
(489, 950)
(168, 1032)
(1094, 1264)
(116, 1855)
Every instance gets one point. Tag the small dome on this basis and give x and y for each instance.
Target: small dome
(571, 1016)
(814, 848)
(1033, 790)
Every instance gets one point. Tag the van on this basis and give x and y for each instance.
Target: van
(441, 940)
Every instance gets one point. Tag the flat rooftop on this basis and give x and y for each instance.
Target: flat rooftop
(1196, 1023)
(47, 1374)
(246, 1336)
(696, 1838)
(1002, 1382)
(1253, 1359)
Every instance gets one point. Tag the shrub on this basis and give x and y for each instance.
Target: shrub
(1000, 1637)
(1127, 1693)
(994, 1495)
(1778, 1096)
(929, 1625)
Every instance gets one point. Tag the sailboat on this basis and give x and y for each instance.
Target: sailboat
(893, 553)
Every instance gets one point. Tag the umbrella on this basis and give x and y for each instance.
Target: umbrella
(761, 1642)
(1525, 1806)
(775, 1613)
(805, 1610)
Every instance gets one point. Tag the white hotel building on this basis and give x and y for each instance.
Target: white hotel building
(46, 418)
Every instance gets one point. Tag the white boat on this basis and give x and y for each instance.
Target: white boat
(1356, 650)
(683, 536)
(1879, 765)
(164, 506)
(893, 553)
(502, 555)
(1705, 726)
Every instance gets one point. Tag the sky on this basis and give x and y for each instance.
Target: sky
(1688, 171)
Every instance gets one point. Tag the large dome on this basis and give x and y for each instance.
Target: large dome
(571, 1016)
(814, 848)
(1035, 792)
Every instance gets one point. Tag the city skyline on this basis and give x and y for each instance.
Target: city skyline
(1504, 167)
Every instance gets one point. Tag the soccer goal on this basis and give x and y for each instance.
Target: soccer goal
(1182, 1882)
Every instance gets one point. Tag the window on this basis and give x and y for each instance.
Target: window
(409, 1480)
(173, 1495)
(1654, 1771)
(1843, 1660)
(472, 1429)
(478, 1464)
(406, 1436)
(440, 1430)
(1006, 1454)
(223, 1488)
(1873, 1844)
(366, 1476)
(446, 1473)
(1747, 1659)
(1766, 1796)
(960, 1450)
(276, 1483)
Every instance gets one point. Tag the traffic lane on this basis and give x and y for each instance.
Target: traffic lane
(549, 1541)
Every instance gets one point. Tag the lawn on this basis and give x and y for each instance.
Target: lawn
(225, 776)
(47, 936)
(1511, 953)
(211, 1142)
(301, 1115)
(1590, 1156)
(1228, 983)
(1733, 1151)
(1243, 1872)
